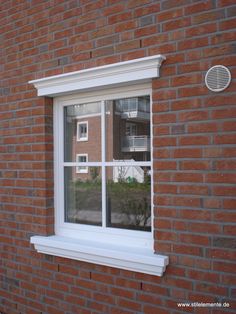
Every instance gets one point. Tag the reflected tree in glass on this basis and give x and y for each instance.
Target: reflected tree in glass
(129, 198)
(83, 196)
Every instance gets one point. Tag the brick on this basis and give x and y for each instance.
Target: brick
(119, 17)
(114, 9)
(211, 203)
(164, 118)
(208, 16)
(146, 20)
(229, 24)
(193, 115)
(208, 127)
(195, 239)
(178, 129)
(224, 267)
(103, 51)
(193, 43)
(224, 113)
(160, 130)
(195, 165)
(170, 15)
(125, 26)
(211, 289)
(225, 216)
(193, 66)
(220, 178)
(229, 126)
(194, 190)
(176, 24)
(222, 38)
(204, 276)
(186, 104)
(165, 165)
(145, 31)
(186, 201)
(168, 4)
(154, 39)
(129, 304)
(186, 80)
(162, 224)
(127, 46)
(155, 289)
(230, 203)
(188, 177)
(218, 51)
(194, 214)
(194, 140)
(187, 153)
(224, 243)
(205, 227)
(93, 6)
(225, 139)
(164, 141)
(198, 7)
(191, 91)
(147, 10)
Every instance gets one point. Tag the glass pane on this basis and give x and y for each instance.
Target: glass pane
(83, 195)
(128, 129)
(129, 197)
(82, 131)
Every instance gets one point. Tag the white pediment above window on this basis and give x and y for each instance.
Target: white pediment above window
(132, 71)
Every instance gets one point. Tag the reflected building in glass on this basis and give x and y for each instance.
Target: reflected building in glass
(117, 132)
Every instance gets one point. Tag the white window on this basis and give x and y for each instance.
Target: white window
(81, 158)
(131, 129)
(82, 131)
(106, 215)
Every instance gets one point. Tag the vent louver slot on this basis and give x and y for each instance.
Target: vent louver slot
(217, 78)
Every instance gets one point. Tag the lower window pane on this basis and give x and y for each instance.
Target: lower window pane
(129, 197)
(83, 196)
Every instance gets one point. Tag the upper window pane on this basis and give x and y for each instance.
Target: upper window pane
(82, 131)
(128, 129)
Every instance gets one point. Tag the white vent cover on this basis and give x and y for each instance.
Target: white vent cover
(217, 78)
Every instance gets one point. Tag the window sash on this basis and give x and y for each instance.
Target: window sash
(133, 237)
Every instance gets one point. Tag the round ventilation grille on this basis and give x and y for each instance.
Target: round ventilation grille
(218, 78)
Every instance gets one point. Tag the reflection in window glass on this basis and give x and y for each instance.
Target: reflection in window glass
(81, 158)
(128, 129)
(83, 196)
(82, 131)
(123, 193)
(129, 197)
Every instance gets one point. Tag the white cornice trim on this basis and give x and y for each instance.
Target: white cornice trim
(104, 76)
(139, 260)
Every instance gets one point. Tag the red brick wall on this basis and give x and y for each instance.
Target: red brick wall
(194, 152)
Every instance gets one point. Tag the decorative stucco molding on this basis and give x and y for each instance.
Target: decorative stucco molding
(104, 76)
(139, 260)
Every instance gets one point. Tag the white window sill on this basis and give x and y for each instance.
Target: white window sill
(124, 257)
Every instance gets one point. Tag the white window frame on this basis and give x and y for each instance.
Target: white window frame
(81, 169)
(139, 239)
(125, 249)
(79, 137)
